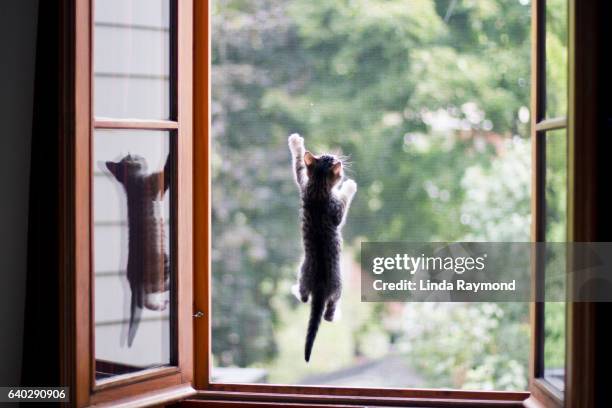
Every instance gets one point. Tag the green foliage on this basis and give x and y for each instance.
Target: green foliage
(425, 97)
(467, 346)
(556, 225)
(554, 335)
(556, 55)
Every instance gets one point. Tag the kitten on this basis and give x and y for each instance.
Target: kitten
(324, 209)
(148, 269)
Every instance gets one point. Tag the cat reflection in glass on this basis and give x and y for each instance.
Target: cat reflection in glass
(148, 266)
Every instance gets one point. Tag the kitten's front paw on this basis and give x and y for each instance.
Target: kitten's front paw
(350, 187)
(296, 143)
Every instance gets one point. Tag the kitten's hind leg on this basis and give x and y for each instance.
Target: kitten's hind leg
(301, 290)
(295, 290)
(332, 310)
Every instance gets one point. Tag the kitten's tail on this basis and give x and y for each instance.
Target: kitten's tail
(316, 312)
(135, 311)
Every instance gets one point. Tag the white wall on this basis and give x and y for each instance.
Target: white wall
(131, 59)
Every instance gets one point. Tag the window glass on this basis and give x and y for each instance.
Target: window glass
(556, 227)
(132, 250)
(556, 58)
(430, 99)
(132, 59)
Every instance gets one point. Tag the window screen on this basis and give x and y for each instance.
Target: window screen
(429, 99)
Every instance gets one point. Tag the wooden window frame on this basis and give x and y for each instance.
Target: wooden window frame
(191, 378)
(581, 133)
(541, 389)
(226, 394)
(155, 385)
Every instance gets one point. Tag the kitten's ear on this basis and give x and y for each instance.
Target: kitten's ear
(309, 159)
(337, 169)
(115, 169)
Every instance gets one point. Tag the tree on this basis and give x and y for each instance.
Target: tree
(423, 95)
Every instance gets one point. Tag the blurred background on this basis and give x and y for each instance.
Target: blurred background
(430, 99)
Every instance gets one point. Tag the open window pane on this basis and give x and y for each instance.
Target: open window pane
(556, 58)
(430, 99)
(133, 308)
(132, 59)
(556, 278)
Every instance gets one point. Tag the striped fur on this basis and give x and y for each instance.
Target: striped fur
(323, 211)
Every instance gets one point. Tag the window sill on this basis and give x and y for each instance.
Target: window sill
(154, 398)
(222, 399)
